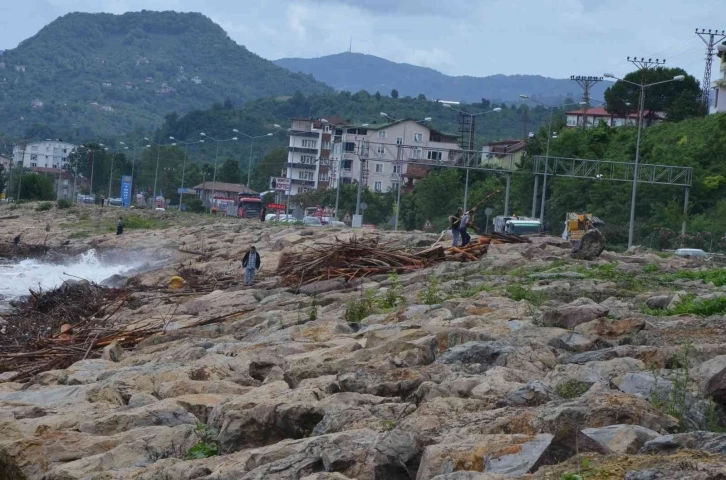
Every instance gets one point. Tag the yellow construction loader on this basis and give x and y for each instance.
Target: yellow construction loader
(578, 224)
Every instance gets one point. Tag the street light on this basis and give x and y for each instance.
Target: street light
(547, 156)
(252, 139)
(113, 157)
(184, 166)
(471, 141)
(216, 156)
(133, 163)
(641, 108)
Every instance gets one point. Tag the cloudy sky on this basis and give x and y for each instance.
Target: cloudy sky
(556, 38)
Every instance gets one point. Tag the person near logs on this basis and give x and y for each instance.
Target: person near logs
(251, 262)
(120, 226)
(263, 213)
(454, 221)
(16, 242)
(464, 224)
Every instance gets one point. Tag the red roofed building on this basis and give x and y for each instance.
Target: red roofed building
(599, 114)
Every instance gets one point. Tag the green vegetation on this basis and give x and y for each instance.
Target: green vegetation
(717, 276)
(207, 446)
(689, 304)
(31, 186)
(518, 292)
(44, 207)
(313, 312)
(358, 309)
(388, 425)
(144, 223)
(675, 403)
(431, 294)
(141, 64)
(63, 203)
(392, 297)
(571, 389)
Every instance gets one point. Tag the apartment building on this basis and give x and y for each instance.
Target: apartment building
(45, 154)
(322, 152)
(504, 154)
(718, 97)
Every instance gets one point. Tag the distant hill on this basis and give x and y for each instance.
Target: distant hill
(355, 71)
(107, 74)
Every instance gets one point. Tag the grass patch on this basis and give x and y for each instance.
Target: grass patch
(63, 203)
(358, 309)
(388, 425)
(520, 292)
(431, 294)
(633, 282)
(81, 234)
(144, 223)
(571, 389)
(44, 207)
(207, 446)
(392, 297)
(689, 304)
(715, 275)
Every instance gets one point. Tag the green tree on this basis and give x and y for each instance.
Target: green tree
(394, 93)
(678, 99)
(271, 165)
(229, 172)
(36, 186)
(3, 179)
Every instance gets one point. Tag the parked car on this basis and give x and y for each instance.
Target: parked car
(312, 222)
(115, 202)
(284, 218)
(336, 223)
(691, 252)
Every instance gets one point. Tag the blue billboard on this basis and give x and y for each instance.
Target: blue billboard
(126, 190)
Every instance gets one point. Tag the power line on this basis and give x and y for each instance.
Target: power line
(710, 38)
(585, 82)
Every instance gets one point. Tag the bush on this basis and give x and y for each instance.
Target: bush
(357, 310)
(194, 205)
(518, 292)
(144, 223)
(571, 389)
(689, 304)
(431, 293)
(63, 203)
(393, 296)
(44, 207)
(207, 446)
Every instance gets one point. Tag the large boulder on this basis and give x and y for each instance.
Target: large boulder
(716, 387)
(510, 455)
(573, 314)
(590, 246)
(620, 438)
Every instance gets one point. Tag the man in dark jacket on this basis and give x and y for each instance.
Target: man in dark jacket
(454, 225)
(251, 262)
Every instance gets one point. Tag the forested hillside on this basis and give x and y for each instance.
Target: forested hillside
(101, 74)
(355, 71)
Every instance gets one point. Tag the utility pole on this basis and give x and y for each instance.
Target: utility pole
(586, 83)
(711, 38)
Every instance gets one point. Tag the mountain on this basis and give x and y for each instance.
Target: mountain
(112, 73)
(355, 71)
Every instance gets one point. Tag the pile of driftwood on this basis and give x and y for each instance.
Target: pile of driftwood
(358, 258)
(55, 328)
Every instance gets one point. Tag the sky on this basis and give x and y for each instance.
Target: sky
(554, 38)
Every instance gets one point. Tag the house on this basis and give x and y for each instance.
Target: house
(596, 115)
(106, 84)
(36, 104)
(20, 68)
(718, 99)
(221, 190)
(325, 152)
(196, 80)
(504, 154)
(45, 154)
(5, 163)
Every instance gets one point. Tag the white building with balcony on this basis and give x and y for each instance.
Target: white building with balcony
(45, 154)
(718, 97)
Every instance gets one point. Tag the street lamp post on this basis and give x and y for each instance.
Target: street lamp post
(547, 152)
(216, 156)
(110, 174)
(641, 108)
(470, 145)
(184, 166)
(252, 139)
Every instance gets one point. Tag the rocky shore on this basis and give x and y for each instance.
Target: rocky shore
(526, 364)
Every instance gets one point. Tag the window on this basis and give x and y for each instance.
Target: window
(571, 121)
(399, 141)
(347, 165)
(397, 169)
(307, 159)
(346, 180)
(381, 134)
(416, 152)
(325, 146)
(33, 164)
(305, 175)
(34, 148)
(380, 150)
(34, 157)
(308, 143)
(323, 177)
(349, 146)
(434, 155)
(418, 137)
(65, 150)
(379, 168)
(377, 186)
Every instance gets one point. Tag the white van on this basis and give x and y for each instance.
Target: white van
(691, 252)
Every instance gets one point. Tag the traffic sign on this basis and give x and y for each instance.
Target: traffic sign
(488, 211)
(275, 206)
(280, 183)
(363, 205)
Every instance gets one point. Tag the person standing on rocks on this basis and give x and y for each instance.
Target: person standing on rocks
(263, 213)
(463, 225)
(16, 242)
(251, 262)
(454, 221)
(120, 226)
(103, 200)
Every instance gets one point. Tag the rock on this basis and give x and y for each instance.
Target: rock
(470, 476)
(573, 314)
(293, 238)
(572, 342)
(323, 286)
(703, 441)
(552, 275)
(509, 455)
(590, 246)
(658, 302)
(534, 359)
(532, 394)
(620, 438)
(112, 352)
(164, 413)
(139, 399)
(716, 387)
(611, 329)
(644, 385)
(616, 307)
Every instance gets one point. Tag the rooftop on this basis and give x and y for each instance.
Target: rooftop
(225, 187)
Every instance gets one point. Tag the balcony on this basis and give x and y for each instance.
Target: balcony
(297, 133)
(313, 151)
(305, 166)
